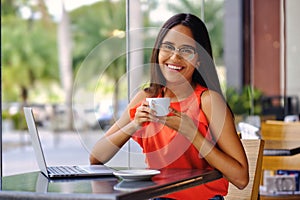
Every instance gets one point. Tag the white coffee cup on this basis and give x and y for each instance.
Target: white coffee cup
(159, 105)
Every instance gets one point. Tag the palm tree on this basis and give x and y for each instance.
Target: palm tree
(26, 61)
(92, 25)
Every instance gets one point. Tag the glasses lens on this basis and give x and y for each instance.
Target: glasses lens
(167, 48)
(186, 53)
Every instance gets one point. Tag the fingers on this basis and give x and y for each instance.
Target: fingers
(145, 109)
(144, 114)
(175, 112)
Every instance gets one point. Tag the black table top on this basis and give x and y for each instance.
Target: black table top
(35, 185)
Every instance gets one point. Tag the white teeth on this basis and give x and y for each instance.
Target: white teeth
(174, 67)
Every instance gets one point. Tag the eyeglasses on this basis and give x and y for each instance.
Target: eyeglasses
(186, 52)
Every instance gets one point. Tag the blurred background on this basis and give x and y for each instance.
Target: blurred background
(78, 63)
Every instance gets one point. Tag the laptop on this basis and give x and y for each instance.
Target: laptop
(60, 171)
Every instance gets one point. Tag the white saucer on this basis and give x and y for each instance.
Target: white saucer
(136, 174)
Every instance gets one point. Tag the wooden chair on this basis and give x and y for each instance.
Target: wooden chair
(280, 130)
(254, 151)
(281, 135)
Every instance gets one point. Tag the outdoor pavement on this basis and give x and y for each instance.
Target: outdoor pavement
(60, 148)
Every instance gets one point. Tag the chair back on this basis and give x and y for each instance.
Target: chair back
(280, 130)
(280, 135)
(254, 151)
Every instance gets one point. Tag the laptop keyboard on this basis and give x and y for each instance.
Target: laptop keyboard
(66, 170)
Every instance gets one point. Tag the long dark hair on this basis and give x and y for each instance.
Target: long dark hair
(205, 74)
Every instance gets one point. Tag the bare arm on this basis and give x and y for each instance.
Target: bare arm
(229, 157)
(120, 132)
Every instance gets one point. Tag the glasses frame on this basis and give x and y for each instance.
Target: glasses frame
(171, 51)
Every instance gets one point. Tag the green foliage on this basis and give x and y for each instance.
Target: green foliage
(5, 114)
(245, 102)
(18, 119)
(93, 24)
(29, 55)
(8, 7)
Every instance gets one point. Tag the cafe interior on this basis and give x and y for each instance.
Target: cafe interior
(261, 57)
(269, 62)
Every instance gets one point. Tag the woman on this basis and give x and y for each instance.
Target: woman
(199, 131)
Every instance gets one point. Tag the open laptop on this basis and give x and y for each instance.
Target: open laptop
(59, 171)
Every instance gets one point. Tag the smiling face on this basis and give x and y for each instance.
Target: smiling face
(174, 66)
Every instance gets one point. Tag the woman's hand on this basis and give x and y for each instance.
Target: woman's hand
(180, 122)
(144, 114)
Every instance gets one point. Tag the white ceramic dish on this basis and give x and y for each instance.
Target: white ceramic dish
(136, 174)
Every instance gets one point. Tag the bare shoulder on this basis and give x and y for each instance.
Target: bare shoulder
(210, 97)
(213, 104)
(215, 107)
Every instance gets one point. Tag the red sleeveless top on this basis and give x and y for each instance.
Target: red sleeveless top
(166, 148)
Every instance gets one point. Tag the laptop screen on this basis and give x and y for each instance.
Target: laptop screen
(36, 143)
